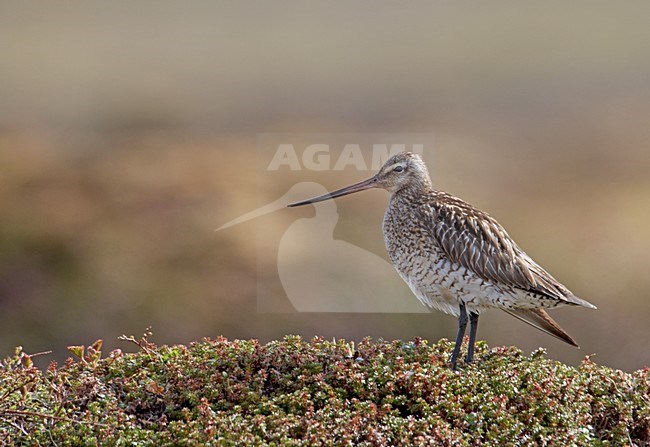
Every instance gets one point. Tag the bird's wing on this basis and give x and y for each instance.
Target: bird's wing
(475, 240)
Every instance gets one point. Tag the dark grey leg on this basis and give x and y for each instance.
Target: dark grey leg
(462, 324)
(473, 326)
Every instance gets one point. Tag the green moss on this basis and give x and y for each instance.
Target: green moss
(319, 393)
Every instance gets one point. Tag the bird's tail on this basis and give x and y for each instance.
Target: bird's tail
(541, 320)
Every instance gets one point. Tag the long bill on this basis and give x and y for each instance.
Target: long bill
(361, 186)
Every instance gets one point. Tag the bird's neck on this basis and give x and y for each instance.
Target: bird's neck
(414, 190)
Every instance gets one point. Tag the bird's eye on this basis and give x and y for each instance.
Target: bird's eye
(398, 168)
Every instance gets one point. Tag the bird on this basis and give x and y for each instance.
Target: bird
(457, 258)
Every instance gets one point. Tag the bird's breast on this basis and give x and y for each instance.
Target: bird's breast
(415, 253)
(411, 244)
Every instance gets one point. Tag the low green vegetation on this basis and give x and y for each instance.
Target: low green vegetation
(318, 393)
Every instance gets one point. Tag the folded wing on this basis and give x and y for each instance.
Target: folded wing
(475, 240)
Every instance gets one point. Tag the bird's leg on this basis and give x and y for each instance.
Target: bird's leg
(473, 326)
(462, 324)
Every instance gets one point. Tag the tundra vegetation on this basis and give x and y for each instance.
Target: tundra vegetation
(318, 393)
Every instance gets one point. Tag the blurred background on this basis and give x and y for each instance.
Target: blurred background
(128, 133)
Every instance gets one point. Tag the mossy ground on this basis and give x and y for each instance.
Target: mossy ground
(319, 393)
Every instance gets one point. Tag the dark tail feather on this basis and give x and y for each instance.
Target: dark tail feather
(541, 320)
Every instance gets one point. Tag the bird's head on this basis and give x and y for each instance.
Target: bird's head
(399, 171)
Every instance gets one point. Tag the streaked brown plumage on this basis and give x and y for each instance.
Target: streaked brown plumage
(457, 258)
